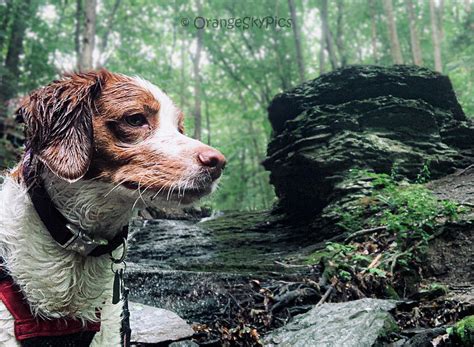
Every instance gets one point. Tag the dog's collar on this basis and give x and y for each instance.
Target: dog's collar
(66, 234)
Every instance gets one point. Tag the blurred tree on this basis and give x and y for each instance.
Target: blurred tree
(197, 79)
(297, 34)
(240, 69)
(77, 32)
(10, 72)
(86, 58)
(327, 34)
(392, 29)
(339, 33)
(373, 28)
(435, 34)
(414, 40)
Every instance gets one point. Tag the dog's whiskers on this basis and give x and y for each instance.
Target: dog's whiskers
(115, 187)
(139, 194)
(159, 191)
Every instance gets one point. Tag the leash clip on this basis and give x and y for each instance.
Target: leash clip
(81, 242)
(124, 253)
(118, 287)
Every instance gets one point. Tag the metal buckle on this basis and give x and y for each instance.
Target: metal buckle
(81, 242)
(122, 257)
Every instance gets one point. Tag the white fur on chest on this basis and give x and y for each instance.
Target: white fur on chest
(56, 282)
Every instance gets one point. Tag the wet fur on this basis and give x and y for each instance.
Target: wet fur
(75, 128)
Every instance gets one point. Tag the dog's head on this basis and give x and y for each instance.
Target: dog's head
(119, 130)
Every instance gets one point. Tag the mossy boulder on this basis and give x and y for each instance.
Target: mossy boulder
(463, 331)
(363, 117)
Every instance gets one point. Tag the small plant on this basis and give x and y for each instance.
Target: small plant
(407, 216)
(425, 174)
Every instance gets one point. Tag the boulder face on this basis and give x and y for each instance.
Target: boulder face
(400, 118)
(354, 323)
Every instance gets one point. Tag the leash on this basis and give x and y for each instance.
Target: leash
(121, 292)
(126, 330)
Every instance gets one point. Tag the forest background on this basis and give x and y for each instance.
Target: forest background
(223, 61)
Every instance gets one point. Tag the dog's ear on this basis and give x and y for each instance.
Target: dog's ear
(58, 121)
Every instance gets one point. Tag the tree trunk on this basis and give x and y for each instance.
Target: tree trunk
(197, 80)
(11, 70)
(297, 36)
(436, 38)
(392, 29)
(243, 176)
(182, 76)
(322, 54)
(283, 74)
(414, 40)
(208, 119)
(327, 34)
(88, 37)
(441, 20)
(5, 22)
(373, 27)
(77, 32)
(322, 58)
(256, 154)
(339, 33)
(280, 52)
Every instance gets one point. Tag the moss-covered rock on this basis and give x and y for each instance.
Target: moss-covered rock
(463, 331)
(363, 117)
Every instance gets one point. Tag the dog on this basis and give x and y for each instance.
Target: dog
(98, 144)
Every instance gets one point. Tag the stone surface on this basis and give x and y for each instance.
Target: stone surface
(191, 268)
(237, 242)
(192, 213)
(454, 269)
(363, 117)
(186, 343)
(155, 325)
(355, 323)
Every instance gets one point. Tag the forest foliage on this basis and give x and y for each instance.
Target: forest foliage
(224, 74)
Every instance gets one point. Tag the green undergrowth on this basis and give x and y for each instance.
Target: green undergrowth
(388, 230)
(463, 331)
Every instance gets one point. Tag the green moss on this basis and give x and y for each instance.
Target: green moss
(410, 212)
(390, 326)
(316, 257)
(391, 293)
(436, 290)
(463, 331)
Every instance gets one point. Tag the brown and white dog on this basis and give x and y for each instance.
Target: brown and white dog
(104, 143)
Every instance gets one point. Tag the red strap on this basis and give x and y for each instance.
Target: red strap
(27, 326)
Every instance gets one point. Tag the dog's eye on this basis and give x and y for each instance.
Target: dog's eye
(136, 120)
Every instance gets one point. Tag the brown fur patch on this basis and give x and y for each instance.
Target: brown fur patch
(78, 128)
(58, 121)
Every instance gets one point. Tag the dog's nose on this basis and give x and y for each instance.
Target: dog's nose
(213, 159)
